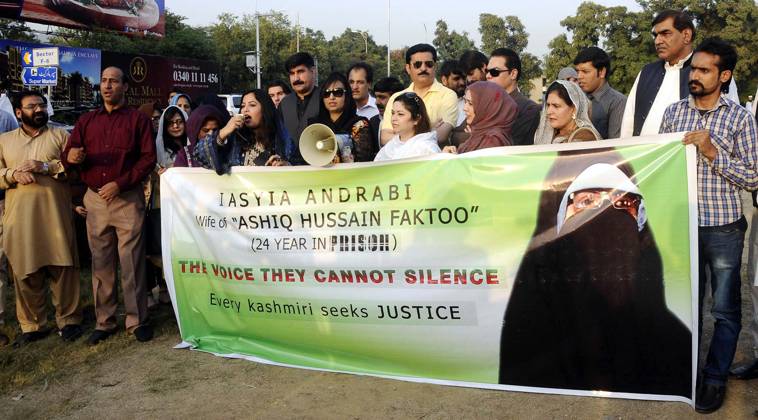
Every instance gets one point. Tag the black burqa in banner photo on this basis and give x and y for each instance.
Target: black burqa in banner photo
(588, 309)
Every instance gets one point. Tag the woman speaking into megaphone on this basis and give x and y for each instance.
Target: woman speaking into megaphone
(250, 138)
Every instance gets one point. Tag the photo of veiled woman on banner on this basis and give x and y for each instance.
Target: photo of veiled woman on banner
(588, 309)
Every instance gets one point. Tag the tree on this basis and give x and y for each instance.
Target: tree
(509, 32)
(181, 40)
(625, 36)
(450, 45)
(11, 29)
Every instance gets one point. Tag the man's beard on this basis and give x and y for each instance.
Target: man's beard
(699, 93)
(37, 120)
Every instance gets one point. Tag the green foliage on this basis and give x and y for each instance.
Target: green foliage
(11, 29)
(625, 36)
(509, 32)
(181, 40)
(232, 36)
(450, 45)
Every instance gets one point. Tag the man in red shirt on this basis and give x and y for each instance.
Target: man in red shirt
(114, 151)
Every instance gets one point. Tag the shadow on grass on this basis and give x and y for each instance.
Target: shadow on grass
(50, 359)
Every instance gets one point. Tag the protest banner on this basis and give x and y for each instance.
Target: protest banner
(560, 269)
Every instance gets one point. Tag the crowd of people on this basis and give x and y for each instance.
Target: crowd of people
(119, 153)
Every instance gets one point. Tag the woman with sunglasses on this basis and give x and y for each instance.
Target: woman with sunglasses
(411, 126)
(565, 116)
(250, 138)
(338, 112)
(490, 113)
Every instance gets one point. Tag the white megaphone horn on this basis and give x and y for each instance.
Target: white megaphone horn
(319, 145)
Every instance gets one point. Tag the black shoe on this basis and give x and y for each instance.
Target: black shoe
(26, 338)
(143, 333)
(99, 335)
(4, 340)
(71, 332)
(709, 398)
(746, 371)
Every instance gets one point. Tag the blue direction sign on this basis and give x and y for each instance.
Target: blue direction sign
(39, 76)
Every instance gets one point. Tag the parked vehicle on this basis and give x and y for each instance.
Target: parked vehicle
(232, 102)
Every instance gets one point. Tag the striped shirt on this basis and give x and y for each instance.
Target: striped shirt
(733, 133)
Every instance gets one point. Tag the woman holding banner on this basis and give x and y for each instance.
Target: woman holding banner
(490, 113)
(170, 139)
(565, 116)
(413, 135)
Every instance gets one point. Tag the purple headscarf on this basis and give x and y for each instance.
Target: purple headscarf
(197, 119)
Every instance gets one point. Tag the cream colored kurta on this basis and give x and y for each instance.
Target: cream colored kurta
(38, 223)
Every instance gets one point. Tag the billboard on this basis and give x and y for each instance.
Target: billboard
(77, 78)
(151, 76)
(138, 17)
(11, 9)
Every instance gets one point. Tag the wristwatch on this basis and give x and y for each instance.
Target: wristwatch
(45, 168)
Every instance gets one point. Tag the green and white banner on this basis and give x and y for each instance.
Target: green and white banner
(562, 269)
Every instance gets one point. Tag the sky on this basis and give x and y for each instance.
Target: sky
(411, 22)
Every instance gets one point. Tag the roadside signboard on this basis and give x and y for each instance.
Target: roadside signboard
(39, 76)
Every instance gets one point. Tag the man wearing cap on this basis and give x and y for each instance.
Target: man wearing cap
(568, 73)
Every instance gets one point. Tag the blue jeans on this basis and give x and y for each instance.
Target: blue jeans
(721, 254)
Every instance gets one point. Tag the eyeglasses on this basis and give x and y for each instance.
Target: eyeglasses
(338, 93)
(496, 72)
(177, 121)
(592, 199)
(428, 64)
(35, 106)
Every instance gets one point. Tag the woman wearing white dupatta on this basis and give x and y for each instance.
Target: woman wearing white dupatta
(565, 116)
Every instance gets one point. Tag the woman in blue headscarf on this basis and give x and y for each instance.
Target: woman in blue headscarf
(183, 101)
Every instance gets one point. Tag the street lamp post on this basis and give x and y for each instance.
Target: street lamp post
(389, 28)
(253, 58)
(364, 35)
(252, 62)
(258, 48)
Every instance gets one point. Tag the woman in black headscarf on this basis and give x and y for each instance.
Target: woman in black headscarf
(338, 112)
(588, 308)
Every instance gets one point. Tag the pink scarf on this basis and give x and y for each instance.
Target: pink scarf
(495, 111)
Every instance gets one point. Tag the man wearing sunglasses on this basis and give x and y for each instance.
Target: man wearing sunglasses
(441, 103)
(504, 68)
(295, 110)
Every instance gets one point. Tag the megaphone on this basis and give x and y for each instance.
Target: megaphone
(319, 145)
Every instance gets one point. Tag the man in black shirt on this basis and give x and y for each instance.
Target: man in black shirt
(296, 109)
(504, 68)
